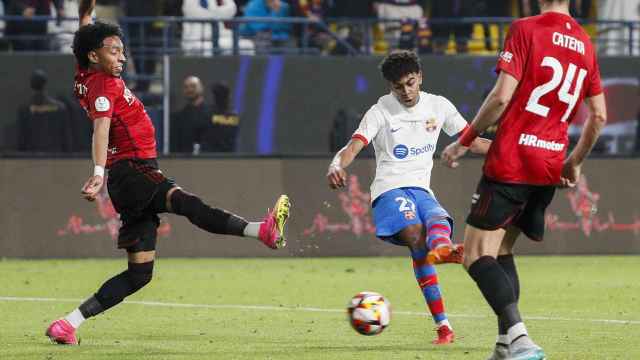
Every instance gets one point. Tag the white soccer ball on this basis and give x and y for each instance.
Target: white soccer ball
(369, 313)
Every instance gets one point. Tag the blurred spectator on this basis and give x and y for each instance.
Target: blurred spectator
(314, 10)
(345, 123)
(352, 9)
(81, 126)
(579, 8)
(267, 35)
(400, 10)
(491, 8)
(241, 5)
(43, 123)
(528, 7)
(353, 33)
(173, 8)
(451, 9)
(197, 38)
(144, 38)
(108, 10)
(185, 122)
(30, 34)
(220, 133)
(62, 31)
(614, 39)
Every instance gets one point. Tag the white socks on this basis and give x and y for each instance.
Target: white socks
(516, 331)
(444, 322)
(252, 229)
(502, 339)
(75, 318)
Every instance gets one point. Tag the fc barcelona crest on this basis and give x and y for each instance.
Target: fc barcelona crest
(431, 125)
(409, 215)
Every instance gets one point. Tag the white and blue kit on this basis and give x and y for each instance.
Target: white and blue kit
(404, 140)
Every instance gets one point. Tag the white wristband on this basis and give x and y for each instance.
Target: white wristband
(98, 171)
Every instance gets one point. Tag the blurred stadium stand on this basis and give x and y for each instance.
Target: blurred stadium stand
(320, 30)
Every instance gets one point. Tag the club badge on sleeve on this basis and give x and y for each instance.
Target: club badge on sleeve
(102, 104)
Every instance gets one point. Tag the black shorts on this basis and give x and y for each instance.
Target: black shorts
(138, 191)
(496, 205)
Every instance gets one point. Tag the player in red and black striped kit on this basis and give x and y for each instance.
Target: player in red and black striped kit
(547, 68)
(124, 143)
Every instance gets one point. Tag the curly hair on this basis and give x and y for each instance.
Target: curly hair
(398, 64)
(90, 37)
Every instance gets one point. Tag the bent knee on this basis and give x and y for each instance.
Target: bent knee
(413, 236)
(140, 274)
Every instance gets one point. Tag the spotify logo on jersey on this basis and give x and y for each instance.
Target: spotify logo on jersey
(401, 151)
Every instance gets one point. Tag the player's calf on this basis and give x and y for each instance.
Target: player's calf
(111, 293)
(213, 220)
(428, 281)
(442, 250)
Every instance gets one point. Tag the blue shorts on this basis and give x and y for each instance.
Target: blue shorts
(397, 209)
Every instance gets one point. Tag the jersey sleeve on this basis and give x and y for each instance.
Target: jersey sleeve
(514, 56)
(102, 96)
(369, 126)
(453, 121)
(595, 84)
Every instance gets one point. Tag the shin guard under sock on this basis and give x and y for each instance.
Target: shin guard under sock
(213, 220)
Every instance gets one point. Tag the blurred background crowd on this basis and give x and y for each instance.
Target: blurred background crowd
(205, 117)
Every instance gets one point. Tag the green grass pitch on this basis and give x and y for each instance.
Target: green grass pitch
(574, 307)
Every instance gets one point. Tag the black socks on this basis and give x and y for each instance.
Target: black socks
(114, 290)
(210, 219)
(497, 288)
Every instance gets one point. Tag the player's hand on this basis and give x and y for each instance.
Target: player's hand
(92, 187)
(337, 177)
(570, 174)
(452, 153)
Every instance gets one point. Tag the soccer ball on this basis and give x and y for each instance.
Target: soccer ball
(369, 313)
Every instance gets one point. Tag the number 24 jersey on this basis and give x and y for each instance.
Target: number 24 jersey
(554, 61)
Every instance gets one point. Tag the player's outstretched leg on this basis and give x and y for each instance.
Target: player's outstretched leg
(111, 293)
(428, 281)
(442, 250)
(269, 231)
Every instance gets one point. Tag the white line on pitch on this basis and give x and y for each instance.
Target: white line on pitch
(309, 309)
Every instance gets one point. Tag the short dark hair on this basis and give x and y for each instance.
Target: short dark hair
(38, 80)
(398, 64)
(90, 37)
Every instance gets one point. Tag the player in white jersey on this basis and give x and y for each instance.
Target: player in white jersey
(404, 126)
